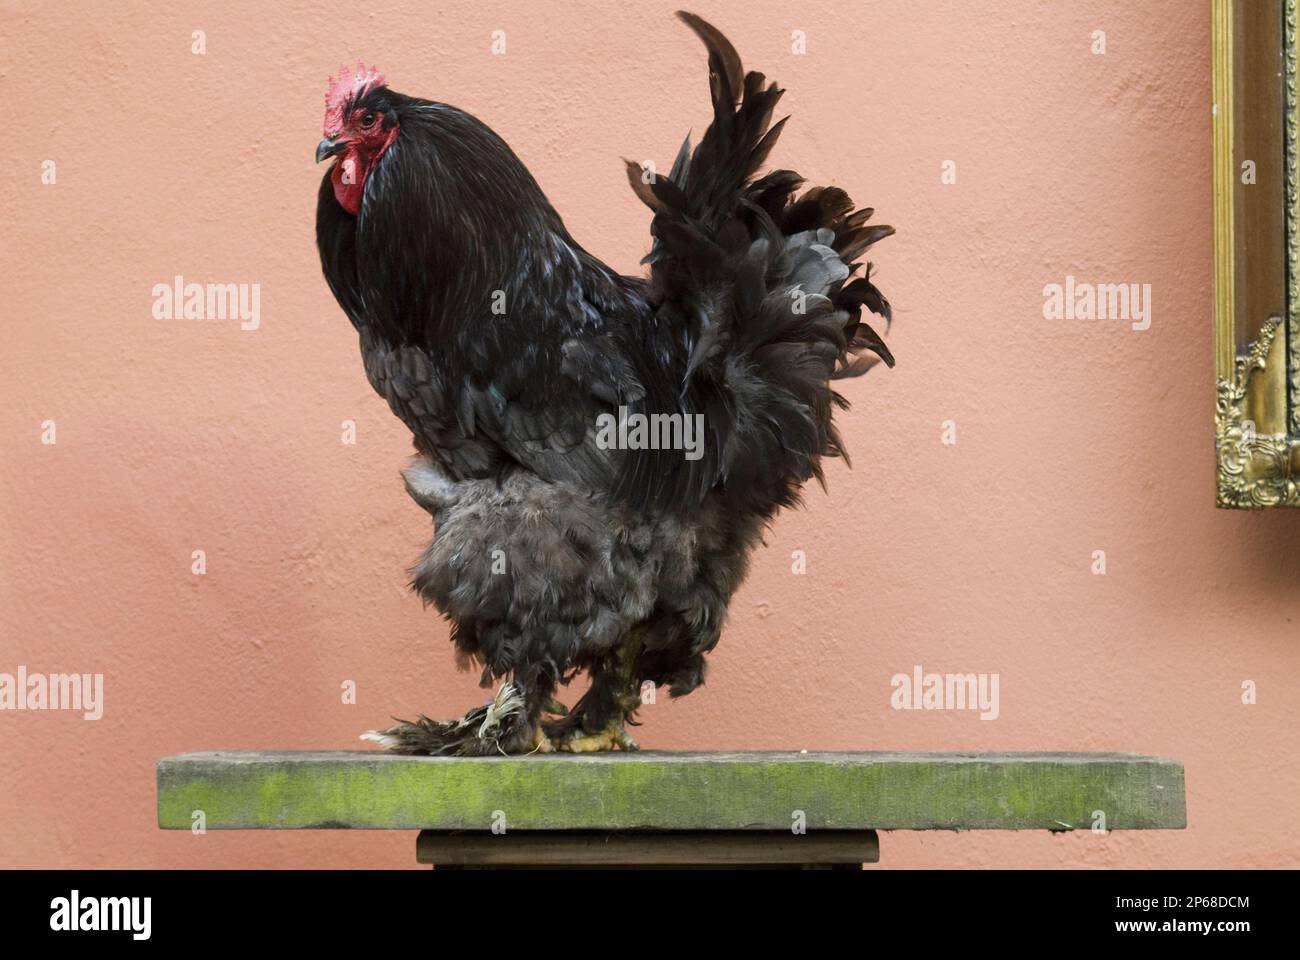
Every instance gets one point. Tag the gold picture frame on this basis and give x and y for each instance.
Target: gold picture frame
(1256, 301)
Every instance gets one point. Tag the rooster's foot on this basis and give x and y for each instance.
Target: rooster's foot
(612, 737)
(541, 742)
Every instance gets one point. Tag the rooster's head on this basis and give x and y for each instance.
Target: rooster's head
(360, 124)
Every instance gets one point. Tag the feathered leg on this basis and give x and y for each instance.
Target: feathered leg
(509, 723)
(597, 720)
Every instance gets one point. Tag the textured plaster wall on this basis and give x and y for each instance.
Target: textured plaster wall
(1072, 437)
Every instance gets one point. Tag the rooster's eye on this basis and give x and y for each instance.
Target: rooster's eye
(367, 119)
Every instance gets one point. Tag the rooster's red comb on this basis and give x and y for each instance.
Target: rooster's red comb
(346, 90)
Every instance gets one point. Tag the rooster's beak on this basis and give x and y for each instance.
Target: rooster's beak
(329, 148)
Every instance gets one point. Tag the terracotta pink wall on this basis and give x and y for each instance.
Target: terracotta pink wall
(1071, 437)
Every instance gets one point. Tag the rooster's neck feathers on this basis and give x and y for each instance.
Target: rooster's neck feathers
(475, 232)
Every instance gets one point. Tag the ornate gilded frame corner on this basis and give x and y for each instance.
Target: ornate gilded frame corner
(1256, 246)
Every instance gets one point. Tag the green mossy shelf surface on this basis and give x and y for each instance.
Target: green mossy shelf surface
(672, 791)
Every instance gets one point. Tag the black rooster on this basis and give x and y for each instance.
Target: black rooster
(569, 535)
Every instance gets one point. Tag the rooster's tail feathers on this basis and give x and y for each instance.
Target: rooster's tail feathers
(766, 285)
